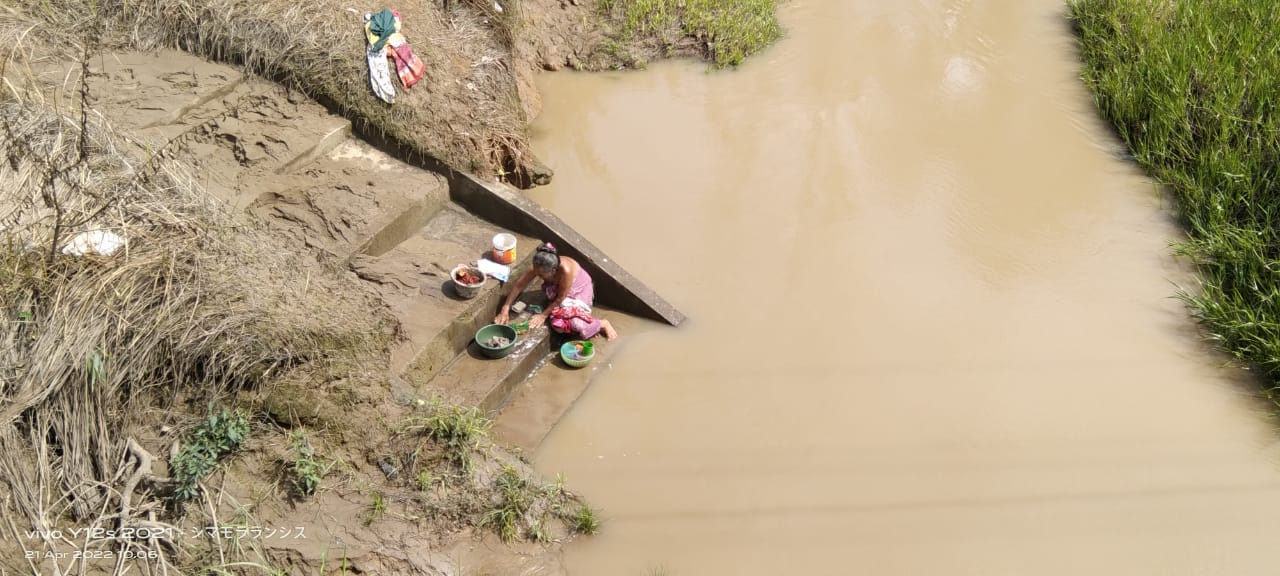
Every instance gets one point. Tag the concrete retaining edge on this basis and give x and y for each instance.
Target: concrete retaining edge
(507, 207)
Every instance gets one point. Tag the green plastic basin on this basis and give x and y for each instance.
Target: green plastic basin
(567, 353)
(484, 334)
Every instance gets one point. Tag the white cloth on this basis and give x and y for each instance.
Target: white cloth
(495, 270)
(380, 74)
(576, 303)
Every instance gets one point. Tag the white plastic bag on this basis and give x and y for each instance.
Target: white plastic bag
(100, 242)
(495, 270)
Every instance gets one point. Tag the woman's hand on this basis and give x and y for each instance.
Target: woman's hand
(502, 316)
(537, 320)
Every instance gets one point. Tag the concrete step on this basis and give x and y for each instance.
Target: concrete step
(541, 400)
(413, 278)
(437, 334)
(238, 131)
(253, 134)
(139, 91)
(343, 216)
(327, 143)
(353, 200)
(471, 379)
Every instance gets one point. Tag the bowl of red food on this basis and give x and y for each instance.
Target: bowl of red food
(467, 280)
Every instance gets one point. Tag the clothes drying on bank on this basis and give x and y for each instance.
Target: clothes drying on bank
(408, 67)
(383, 31)
(380, 74)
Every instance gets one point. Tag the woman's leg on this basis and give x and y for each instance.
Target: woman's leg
(583, 329)
(588, 330)
(607, 328)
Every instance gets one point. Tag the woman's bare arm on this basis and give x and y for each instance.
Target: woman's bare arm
(516, 289)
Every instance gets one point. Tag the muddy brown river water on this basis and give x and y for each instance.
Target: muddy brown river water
(932, 327)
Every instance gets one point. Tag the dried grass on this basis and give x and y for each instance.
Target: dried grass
(198, 305)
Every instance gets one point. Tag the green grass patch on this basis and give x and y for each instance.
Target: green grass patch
(585, 520)
(460, 430)
(1190, 85)
(730, 30)
(514, 502)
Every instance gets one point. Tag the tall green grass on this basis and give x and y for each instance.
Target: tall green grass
(1192, 87)
(730, 30)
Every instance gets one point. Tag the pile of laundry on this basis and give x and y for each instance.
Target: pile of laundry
(385, 40)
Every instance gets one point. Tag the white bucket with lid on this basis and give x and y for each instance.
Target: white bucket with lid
(504, 248)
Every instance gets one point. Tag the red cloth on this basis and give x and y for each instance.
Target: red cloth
(409, 68)
(571, 319)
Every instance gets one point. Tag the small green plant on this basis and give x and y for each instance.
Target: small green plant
(461, 430)
(306, 471)
(514, 502)
(324, 561)
(585, 521)
(555, 491)
(96, 367)
(220, 434)
(377, 508)
(539, 531)
(425, 481)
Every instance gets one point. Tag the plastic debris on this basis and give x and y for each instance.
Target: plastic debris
(100, 242)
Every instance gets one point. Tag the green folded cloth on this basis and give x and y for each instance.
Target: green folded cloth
(384, 25)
